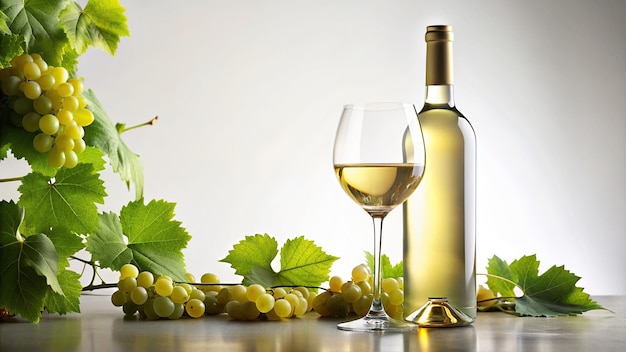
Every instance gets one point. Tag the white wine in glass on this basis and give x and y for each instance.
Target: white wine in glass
(379, 161)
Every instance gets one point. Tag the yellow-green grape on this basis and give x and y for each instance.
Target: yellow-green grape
(293, 300)
(234, 309)
(55, 99)
(362, 306)
(56, 157)
(195, 308)
(11, 85)
(224, 295)
(60, 75)
(20, 60)
(302, 307)
(64, 142)
(30, 122)
(148, 310)
(335, 283)
(43, 143)
(163, 306)
(23, 105)
(79, 145)
(127, 284)
(145, 279)
(188, 276)
(310, 299)
(272, 316)
(179, 294)
(139, 295)
(199, 294)
(69, 103)
(264, 302)
(65, 90)
(179, 309)
(77, 84)
(43, 66)
(31, 90)
(128, 270)
(254, 291)
(82, 103)
(49, 124)
(400, 282)
(279, 292)
(212, 305)
(365, 286)
(282, 308)
(72, 130)
(305, 292)
(42, 105)
(337, 306)
(396, 297)
(46, 81)
(360, 273)
(118, 298)
(390, 284)
(250, 312)
(320, 303)
(71, 159)
(65, 116)
(31, 71)
(209, 278)
(163, 287)
(239, 293)
(351, 292)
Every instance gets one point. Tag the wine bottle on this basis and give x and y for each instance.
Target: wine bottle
(439, 218)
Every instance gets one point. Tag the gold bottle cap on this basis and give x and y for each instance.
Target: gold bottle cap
(439, 33)
(438, 312)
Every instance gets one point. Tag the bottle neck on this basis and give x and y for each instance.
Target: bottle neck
(440, 95)
(439, 75)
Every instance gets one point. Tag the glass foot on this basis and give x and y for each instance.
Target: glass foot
(377, 322)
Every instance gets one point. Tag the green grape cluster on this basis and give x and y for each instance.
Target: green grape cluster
(157, 298)
(44, 100)
(354, 297)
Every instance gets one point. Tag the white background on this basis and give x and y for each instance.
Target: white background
(249, 95)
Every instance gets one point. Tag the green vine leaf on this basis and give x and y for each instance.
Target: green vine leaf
(70, 300)
(21, 144)
(387, 269)
(68, 200)
(143, 234)
(103, 135)
(301, 261)
(552, 293)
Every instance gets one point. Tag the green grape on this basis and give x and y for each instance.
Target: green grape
(360, 273)
(46, 81)
(292, 299)
(301, 308)
(73, 130)
(195, 308)
(139, 295)
(56, 157)
(65, 90)
(43, 66)
(148, 310)
(351, 292)
(224, 295)
(118, 298)
(209, 278)
(337, 306)
(199, 294)
(49, 124)
(264, 302)
(82, 103)
(212, 305)
(188, 276)
(305, 292)
(163, 306)
(396, 297)
(55, 99)
(179, 309)
(272, 316)
(365, 286)
(23, 105)
(188, 288)
(70, 103)
(179, 294)
(77, 84)
(145, 279)
(282, 308)
(21, 60)
(43, 143)
(129, 308)
(31, 90)
(30, 121)
(127, 284)
(65, 117)
(79, 145)
(310, 299)
(71, 159)
(16, 119)
(254, 291)
(234, 309)
(279, 292)
(163, 287)
(239, 293)
(42, 105)
(11, 85)
(335, 283)
(389, 284)
(320, 303)
(362, 306)
(60, 75)
(128, 270)
(250, 311)
(65, 143)
(31, 70)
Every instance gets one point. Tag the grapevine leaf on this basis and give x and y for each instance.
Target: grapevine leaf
(499, 267)
(11, 45)
(21, 142)
(36, 21)
(154, 240)
(66, 244)
(68, 200)
(552, 293)
(100, 24)
(253, 251)
(302, 262)
(72, 289)
(11, 216)
(103, 135)
(4, 24)
(387, 269)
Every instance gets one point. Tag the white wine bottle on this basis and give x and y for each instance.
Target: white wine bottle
(439, 218)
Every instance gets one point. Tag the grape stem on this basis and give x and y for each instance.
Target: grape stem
(11, 179)
(149, 123)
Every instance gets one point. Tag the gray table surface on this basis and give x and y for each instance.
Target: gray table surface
(102, 327)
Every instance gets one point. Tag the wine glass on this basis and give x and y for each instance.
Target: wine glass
(379, 160)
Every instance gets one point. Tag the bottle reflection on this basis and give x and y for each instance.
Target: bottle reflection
(442, 339)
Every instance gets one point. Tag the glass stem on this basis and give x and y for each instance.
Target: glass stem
(377, 305)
